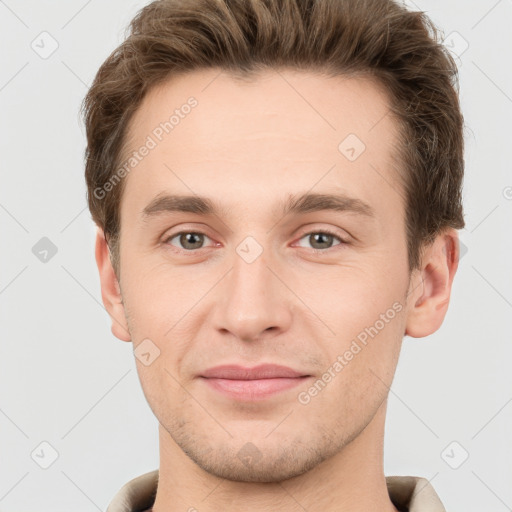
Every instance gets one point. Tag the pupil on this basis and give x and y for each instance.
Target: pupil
(195, 240)
(191, 240)
(321, 237)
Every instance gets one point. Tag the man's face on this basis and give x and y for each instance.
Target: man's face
(250, 284)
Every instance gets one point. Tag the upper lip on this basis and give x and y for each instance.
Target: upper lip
(262, 371)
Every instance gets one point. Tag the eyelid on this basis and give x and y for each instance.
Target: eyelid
(198, 228)
(342, 240)
(343, 236)
(305, 232)
(167, 238)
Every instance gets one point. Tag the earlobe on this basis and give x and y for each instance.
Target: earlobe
(429, 293)
(110, 289)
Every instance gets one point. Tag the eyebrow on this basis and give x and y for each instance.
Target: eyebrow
(296, 204)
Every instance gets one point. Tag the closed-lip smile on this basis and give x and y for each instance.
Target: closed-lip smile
(250, 384)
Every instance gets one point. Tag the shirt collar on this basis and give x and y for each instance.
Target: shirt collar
(413, 494)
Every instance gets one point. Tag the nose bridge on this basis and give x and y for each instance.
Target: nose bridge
(253, 302)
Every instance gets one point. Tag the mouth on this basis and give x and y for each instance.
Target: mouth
(252, 384)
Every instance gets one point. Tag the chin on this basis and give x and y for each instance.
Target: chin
(258, 460)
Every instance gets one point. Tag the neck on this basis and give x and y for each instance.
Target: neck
(353, 480)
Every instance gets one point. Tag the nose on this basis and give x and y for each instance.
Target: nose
(252, 302)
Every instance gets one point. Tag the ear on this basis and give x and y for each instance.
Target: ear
(110, 289)
(431, 285)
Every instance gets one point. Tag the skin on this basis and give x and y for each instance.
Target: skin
(248, 145)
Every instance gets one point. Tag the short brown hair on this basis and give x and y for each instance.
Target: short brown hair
(381, 39)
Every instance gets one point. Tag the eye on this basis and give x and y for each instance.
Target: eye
(189, 240)
(321, 240)
(193, 240)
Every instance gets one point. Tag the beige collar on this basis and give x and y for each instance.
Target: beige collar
(410, 493)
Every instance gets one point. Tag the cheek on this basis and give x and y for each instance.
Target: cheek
(359, 367)
(351, 298)
(366, 311)
(157, 294)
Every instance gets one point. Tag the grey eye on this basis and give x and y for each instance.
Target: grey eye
(320, 240)
(189, 240)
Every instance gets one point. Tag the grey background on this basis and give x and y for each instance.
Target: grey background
(65, 380)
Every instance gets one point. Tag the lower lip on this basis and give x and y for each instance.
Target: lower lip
(257, 389)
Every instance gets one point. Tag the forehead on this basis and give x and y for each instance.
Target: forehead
(283, 130)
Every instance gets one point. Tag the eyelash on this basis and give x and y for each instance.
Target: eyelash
(323, 232)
